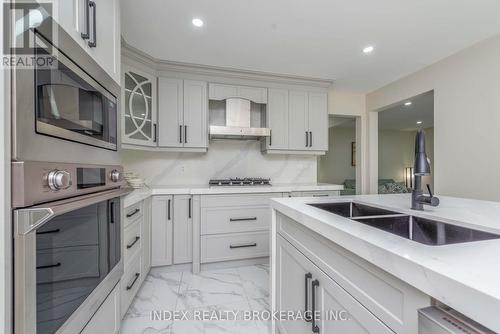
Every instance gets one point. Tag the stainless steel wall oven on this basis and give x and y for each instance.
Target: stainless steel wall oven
(67, 243)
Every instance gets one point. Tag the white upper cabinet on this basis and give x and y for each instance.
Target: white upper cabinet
(95, 26)
(139, 108)
(222, 92)
(195, 114)
(318, 121)
(182, 114)
(171, 110)
(277, 119)
(298, 113)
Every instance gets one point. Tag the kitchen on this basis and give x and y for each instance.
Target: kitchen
(147, 183)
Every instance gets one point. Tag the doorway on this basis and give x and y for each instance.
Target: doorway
(338, 165)
(397, 128)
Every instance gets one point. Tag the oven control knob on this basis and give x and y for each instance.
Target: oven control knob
(115, 175)
(59, 179)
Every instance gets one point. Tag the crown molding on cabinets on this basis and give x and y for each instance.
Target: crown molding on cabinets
(159, 65)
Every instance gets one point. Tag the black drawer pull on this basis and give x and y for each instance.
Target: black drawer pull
(321, 195)
(307, 316)
(242, 219)
(50, 231)
(133, 242)
(58, 264)
(315, 328)
(133, 213)
(168, 209)
(243, 246)
(133, 282)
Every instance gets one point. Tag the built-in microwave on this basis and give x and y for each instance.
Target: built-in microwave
(65, 108)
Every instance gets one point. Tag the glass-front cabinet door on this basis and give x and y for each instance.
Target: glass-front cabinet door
(138, 108)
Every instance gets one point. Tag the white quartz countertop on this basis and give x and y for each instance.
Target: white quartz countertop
(465, 276)
(141, 194)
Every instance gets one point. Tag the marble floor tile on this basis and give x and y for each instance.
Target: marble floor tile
(237, 289)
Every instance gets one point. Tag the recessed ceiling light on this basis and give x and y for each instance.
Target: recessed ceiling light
(368, 49)
(197, 22)
(419, 122)
(408, 103)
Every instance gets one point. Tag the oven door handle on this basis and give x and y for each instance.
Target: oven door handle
(28, 220)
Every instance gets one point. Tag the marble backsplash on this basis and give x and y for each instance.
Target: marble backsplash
(225, 158)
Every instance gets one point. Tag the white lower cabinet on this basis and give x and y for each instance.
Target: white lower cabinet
(183, 229)
(303, 286)
(107, 318)
(172, 230)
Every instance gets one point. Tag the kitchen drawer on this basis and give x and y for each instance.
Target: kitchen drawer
(393, 301)
(130, 283)
(132, 241)
(325, 193)
(133, 212)
(58, 264)
(214, 201)
(223, 247)
(235, 219)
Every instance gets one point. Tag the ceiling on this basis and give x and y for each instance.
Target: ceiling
(401, 117)
(315, 38)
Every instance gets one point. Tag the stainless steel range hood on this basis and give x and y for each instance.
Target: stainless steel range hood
(238, 124)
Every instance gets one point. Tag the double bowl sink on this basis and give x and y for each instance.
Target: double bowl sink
(422, 230)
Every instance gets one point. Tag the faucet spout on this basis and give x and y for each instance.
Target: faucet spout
(421, 168)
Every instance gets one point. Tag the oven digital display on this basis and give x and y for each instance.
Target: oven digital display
(90, 177)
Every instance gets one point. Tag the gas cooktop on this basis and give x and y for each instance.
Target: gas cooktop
(247, 181)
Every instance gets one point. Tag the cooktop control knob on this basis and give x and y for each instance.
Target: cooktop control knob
(59, 179)
(115, 175)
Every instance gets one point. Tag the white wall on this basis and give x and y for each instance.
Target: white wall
(466, 118)
(227, 158)
(335, 166)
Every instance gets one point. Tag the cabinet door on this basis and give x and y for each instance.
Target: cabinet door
(338, 311)
(146, 237)
(170, 112)
(161, 231)
(139, 108)
(107, 317)
(107, 36)
(195, 114)
(318, 121)
(291, 271)
(277, 119)
(298, 118)
(183, 229)
(68, 13)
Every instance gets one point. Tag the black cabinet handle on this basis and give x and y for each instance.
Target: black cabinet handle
(180, 134)
(310, 139)
(133, 242)
(307, 139)
(168, 209)
(85, 35)
(49, 232)
(185, 134)
(155, 133)
(58, 264)
(307, 316)
(112, 212)
(270, 137)
(242, 219)
(93, 43)
(321, 195)
(315, 328)
(243, 246)
(133, 213)
(189, 208)
(133, 282)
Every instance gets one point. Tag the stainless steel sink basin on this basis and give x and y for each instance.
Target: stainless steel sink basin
(422, 230)
(352, 209)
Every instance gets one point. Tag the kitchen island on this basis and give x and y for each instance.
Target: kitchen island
(380, 278)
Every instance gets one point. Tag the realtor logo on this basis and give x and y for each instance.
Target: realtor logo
(21, 48)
